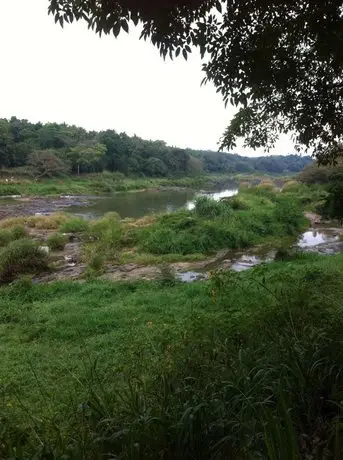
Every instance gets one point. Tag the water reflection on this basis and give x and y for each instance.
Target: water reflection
(315, 237)
(215, 196)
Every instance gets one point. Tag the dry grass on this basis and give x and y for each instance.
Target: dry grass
(144, 221)
(52, 222)
(11, 222)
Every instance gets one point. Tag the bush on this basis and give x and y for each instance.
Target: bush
(21, 257)
(74, 225)
(57, 242)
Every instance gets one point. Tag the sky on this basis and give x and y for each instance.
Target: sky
(50, 74)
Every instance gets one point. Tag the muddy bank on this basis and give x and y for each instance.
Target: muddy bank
(21, 206)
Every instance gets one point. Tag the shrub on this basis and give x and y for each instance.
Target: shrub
(21, 257)
(57, 242)
(74, 225)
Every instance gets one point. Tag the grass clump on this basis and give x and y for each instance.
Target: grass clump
(57, 242)
(11, 222)
(208, 208)
(74, 225)
(50, 222)
(107, 237)
(7, 236)
(21, 257)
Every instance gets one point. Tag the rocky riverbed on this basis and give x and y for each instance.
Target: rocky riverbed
(15, 206)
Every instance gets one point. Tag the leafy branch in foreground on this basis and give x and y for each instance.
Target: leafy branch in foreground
(280, 62)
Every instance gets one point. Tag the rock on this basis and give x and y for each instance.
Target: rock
(45, 249)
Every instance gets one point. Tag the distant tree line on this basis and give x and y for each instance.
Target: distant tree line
(53, 149)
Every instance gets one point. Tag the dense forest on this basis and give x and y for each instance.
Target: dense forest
(53, 149)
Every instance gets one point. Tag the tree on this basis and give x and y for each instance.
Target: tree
(279, 61)
(155, 167)
(45, 163)
(334, 203)
(86, 156)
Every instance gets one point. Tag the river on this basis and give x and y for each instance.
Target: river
(142, 203)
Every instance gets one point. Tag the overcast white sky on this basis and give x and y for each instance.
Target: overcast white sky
(71, 75)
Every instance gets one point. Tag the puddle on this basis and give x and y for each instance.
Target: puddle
(189, 277)
(321, 241)
(316, 237)
(245, 262)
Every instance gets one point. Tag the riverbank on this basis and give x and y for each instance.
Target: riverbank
(185, 240)
(108, 183)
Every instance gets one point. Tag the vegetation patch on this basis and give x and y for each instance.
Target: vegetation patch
(57, 242)
(270, 336)
(74, 225)
(21, 257)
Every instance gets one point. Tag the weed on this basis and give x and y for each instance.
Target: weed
(167, 275)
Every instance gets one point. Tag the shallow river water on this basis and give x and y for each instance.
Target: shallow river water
(139, 204)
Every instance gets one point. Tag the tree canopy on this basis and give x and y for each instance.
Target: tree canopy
(279, 61)
(53, 149)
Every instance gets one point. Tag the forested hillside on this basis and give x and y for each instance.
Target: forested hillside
(53, 149)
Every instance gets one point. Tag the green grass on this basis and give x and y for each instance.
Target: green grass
(247, 365)
(249, 219)
(74, 225)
